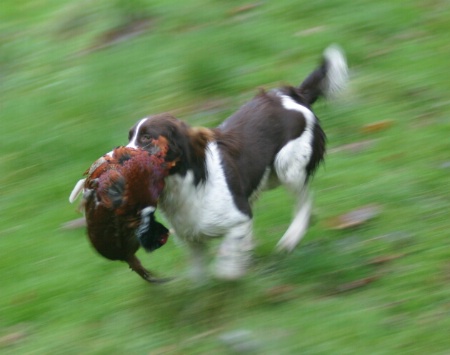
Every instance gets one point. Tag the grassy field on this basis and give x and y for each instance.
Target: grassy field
(76, 75)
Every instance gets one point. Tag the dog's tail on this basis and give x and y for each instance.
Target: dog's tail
(328, 79)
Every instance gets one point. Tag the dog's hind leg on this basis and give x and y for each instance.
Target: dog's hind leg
(290, 166)
(234, 255)
(299, 224)
(294, 164)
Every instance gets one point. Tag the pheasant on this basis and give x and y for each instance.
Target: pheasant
(121, 191)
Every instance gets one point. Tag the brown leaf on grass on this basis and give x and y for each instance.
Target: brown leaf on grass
(356, 147)
(177, 348)
(379, 53)
(243, 8)
(310, 31)
(24, 298)
(349, 286)
(392, 157)
(128, 30)
(446, 274)
(203, 334)
(168, 349)
(377, 126)
(383, 259)
(280, 293)
(354, 218)
(12, 338)
(74, 224)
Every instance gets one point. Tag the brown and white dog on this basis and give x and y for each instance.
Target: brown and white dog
(273, 139)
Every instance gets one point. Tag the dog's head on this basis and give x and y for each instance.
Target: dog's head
(186, 145)
(146, 131)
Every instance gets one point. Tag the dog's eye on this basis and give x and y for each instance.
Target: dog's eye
(146, 137)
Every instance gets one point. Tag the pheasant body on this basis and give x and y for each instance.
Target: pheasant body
(121, 192)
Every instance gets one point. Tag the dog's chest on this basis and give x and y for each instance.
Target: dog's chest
(205, 210)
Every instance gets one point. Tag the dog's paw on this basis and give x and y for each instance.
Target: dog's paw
(229, 273)
(231, 267)
(287, 244)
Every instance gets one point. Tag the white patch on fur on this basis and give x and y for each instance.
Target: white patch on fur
(132, 143)
(290, 166)
(337, 75)
(76, 190)
(291, 161)
(205, 210)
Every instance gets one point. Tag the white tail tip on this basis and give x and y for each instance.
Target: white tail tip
(337, 75)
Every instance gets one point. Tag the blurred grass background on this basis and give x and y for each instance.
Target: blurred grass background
(76, 75)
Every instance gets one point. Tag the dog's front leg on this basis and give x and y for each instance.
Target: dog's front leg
(234, 254)
(197, 251)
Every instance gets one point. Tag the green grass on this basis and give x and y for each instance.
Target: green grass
(65, 101)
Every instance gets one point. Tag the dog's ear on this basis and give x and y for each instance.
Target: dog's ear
(186, 145)
(155, 128)
(188, 142)
(196, 153)
(176, 134)
(199, 138)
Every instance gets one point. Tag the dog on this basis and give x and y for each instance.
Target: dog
(273, 139)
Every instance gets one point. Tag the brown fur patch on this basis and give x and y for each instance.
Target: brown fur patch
(199, 137)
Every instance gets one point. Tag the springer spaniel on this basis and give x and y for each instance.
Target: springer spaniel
(274, 138)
